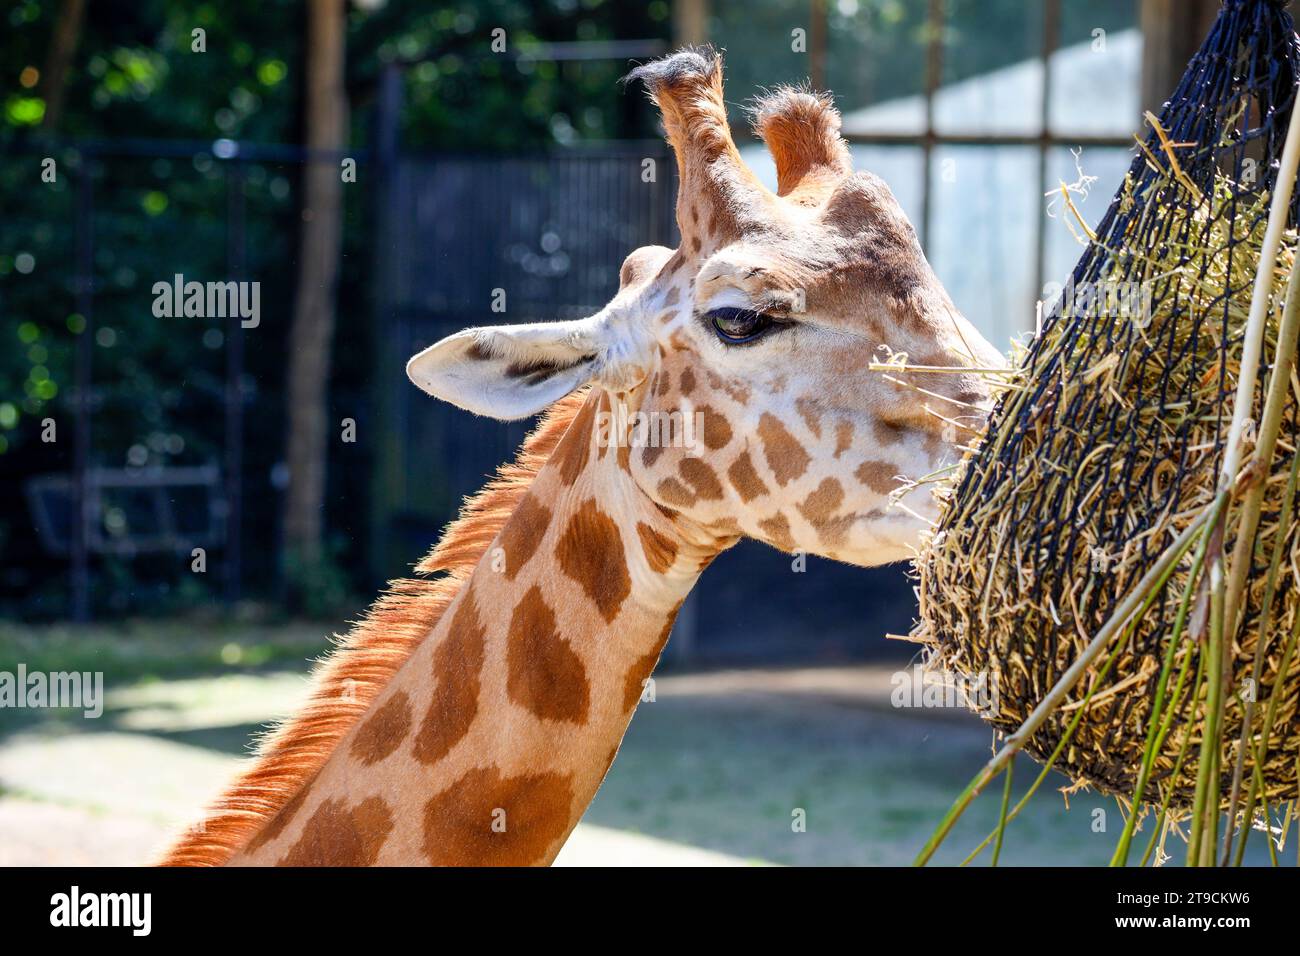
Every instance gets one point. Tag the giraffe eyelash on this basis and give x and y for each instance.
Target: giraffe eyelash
(735, 326)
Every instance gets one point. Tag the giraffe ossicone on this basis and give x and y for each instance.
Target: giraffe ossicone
(486, 705)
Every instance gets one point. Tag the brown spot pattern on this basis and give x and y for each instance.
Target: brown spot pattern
(591, 552)
(738, 391)
(337, 836)
(777, 531)
(650, 454)
(459, 822)
(641, 668)
(726, 525)
(701, 478)
(281, 820)
(384, 731)
(824, 502)
(807, 409)
(877, 475)
(744, 478)
(545, 676)
(523, 533)
(886, 433)
(660, 551)
(785, 456)
(819, 509)
(675, 493)
(843, 437)
(575, 446)
(609, 762)
(717, 432)
(457, 663)
(688, 381)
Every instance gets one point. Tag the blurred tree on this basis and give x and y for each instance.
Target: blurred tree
(134, 80)
(312, 333)
(67, 29)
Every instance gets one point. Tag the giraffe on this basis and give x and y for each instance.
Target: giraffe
(470, 718)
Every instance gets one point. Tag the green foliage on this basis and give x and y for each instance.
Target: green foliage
(137, 649)
(159, 384)
(317, 589)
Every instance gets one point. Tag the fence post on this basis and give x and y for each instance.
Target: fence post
(389, 461)
(84, 355)
(234, 391)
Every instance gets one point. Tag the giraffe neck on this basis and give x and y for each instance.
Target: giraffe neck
(490, 741)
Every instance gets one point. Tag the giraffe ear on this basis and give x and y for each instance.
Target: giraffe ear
(802, 131)
(509, 371)
(714, 184)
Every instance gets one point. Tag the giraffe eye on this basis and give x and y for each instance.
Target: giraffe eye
(739, 325)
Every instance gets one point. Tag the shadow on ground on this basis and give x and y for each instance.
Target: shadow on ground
(807, 767)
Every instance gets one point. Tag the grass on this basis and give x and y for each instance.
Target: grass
(139, 653)
(138, 650)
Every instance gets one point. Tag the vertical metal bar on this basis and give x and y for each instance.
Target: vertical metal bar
(817, 43)
(1051, 40)
(236, 205)
(690, 22)
(85, 225)
(933, 77)
(388, 490)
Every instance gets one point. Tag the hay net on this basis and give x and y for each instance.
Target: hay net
(1110, 439)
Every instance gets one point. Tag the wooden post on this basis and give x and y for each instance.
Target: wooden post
(817, 44)
(1172, 30)
(690, 22)
(63, 47)
(388, 474)
(312, 332)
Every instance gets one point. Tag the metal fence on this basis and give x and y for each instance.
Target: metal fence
(479, 241)
(122, 215)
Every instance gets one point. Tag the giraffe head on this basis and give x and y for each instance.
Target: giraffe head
(732, 372)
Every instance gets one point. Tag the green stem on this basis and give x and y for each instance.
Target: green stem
(1056, 752)
(1279, 387)
(1145, 590)
(1182, 750)
(1078, 716)
(1205, 808)
(1002, 816)
(1120, 857)
(1266, 731)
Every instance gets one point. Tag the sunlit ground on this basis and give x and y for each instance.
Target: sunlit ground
(712, 772)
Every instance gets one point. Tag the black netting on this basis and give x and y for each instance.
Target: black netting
(1115, 433)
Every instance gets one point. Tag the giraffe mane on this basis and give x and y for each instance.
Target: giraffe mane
(361, 664)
